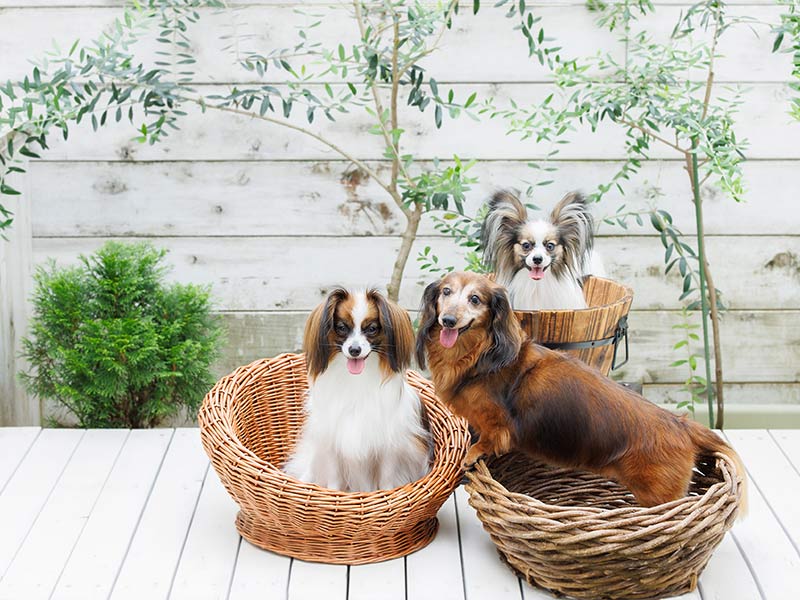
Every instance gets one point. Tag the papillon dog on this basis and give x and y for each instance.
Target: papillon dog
(541, 262)
(364, 428)
(517, 395)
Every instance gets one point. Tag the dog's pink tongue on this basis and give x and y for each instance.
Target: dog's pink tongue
(537, 273)
(448, 337)
(355, 365)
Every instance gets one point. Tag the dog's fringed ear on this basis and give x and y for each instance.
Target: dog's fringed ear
(316, 342)
(499, 230)
(506, 334)
(575, 226)
(427, 319)
(398, 331)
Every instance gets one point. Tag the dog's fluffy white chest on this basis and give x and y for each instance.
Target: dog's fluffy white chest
(362, 431)
(549, 293)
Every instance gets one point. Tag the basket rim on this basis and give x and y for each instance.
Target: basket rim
(521, 500)
(440, 474)
(627, 298)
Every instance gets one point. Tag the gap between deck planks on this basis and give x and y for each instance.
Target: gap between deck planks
(139, 514)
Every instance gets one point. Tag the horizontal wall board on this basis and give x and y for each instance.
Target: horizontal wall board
(295, 273)
(744, 51)
(756, 346)
(330, 198)
(763, 121)
(769, 402)
(257, 335)
(757, 394)
(468, 52)
(482, 48)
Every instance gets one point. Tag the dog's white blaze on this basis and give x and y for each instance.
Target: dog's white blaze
(539, 232)
(357, 336)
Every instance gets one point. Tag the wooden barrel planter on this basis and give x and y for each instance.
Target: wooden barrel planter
(593, 334)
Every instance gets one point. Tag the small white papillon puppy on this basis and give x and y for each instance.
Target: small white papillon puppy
(364, 429)
(541, 262)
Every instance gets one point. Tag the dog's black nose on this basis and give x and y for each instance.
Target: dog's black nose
(354, 350)
(449, 321)
(537, 260)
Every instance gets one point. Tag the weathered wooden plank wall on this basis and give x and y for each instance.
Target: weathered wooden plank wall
(271, 219)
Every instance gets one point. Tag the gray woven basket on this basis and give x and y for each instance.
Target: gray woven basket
(577, 534)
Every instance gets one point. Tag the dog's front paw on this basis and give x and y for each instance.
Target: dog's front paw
(474, 454)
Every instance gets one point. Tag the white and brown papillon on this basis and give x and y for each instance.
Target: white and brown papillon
(541, 262)
(364, 429)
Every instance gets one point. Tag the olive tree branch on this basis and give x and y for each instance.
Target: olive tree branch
(335, 147)
(387, 138)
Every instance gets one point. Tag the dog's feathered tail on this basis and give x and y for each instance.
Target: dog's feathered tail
(708, 442)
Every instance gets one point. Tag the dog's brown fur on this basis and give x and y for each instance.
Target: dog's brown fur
(518, 395)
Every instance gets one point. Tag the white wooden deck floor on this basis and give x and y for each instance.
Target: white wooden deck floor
(138, 514)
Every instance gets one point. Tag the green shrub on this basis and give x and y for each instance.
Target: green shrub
(115, 344)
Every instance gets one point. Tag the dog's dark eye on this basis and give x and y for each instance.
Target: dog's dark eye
(474, 300)
(446, 292)
(526, 246)
(371, 329)
(341, 328)
(550, 246)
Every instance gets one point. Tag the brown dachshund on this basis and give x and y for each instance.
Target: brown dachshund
(521, 396)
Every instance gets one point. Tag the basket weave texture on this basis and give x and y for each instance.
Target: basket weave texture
(608, 302)
(250, 422)
(576, 534)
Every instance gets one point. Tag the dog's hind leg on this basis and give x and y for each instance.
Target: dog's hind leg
(659, 483)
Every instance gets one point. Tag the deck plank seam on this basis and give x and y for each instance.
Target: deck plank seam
(233, 569)
(289, 578)
(44, 503)
(753, 483)
(700, 589)
(141, 514)
(746, 559)
(21, 460)
(188, 530)
(405, 577)
(780, 447)
(91, 510)
(460, 547)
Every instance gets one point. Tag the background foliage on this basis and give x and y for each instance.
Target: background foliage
(106, 81)
(663, 94)
(114, 344)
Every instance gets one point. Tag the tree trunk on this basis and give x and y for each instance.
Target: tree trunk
(707, 292)
(718, 381)
(407, 240)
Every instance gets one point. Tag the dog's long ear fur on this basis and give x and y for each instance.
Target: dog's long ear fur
(499, 233)
(316, 338)
(397, 329)
(506, 334)
(575, 228)
(427, 319)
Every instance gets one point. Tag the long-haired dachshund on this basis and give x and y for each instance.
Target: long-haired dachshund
(518, 395)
